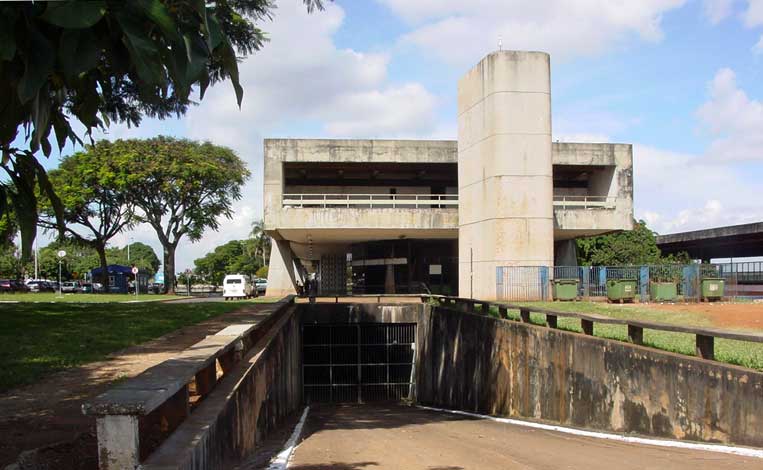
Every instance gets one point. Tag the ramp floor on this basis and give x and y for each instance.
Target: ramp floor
(372, 437)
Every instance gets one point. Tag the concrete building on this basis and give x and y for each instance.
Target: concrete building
(392, 216)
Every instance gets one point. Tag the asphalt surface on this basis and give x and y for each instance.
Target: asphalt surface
(364, 437)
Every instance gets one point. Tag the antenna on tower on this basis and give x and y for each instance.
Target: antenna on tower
(500, 43)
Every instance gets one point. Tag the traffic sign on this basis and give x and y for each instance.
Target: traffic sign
(61, 253)
(135, 270)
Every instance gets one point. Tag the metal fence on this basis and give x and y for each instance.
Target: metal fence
(741, 280)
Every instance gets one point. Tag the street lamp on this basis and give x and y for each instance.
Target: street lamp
(61, 254)
(129, 242)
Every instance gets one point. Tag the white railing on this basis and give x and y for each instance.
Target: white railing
(376, 201)
(585, 202)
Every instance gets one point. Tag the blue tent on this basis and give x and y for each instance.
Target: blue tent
(119, 278)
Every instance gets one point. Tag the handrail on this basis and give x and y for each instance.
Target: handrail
(164, 389)
(705, 337)
(429, 201)
(585, 202)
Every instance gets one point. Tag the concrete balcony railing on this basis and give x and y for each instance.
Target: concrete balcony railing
(585, 202)
(372, 201)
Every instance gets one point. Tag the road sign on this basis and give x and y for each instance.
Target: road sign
(135, 270)
(159, 278)
(61, 253)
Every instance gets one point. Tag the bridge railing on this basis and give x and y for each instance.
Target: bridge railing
(136, 416)
(704, 337)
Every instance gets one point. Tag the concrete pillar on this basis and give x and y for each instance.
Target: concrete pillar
(282, 276)
(118, 445)
(389, 279)
(505, 180)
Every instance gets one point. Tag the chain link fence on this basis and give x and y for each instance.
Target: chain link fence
(740, 280)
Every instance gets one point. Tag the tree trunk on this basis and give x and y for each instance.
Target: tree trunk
(169, 268)
(101, 249)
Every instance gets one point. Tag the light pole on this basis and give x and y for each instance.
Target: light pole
(129, 242)
(61, 254)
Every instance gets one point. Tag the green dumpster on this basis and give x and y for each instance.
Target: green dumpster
(712, 288)
(621, 290)
(566, 289)
(663, 291)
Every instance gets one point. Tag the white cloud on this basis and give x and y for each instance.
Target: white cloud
(717, 10)
(733, 119)
(461, 32)
(753, 15)
(675, 192)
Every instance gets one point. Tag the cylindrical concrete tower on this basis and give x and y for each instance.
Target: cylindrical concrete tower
(505, 181)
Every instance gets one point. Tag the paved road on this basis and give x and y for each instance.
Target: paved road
(397, 437)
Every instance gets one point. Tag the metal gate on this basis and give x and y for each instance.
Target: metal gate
(358, 362)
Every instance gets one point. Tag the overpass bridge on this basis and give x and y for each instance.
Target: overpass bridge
(433, 383)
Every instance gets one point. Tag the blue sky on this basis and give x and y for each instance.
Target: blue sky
(681, 80)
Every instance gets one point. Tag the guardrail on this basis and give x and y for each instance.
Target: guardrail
(704, 337)
(133, 418)
(379, 201)
(585, 202)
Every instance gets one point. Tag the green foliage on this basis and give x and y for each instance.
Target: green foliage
(234, 257)
(627, 248)
(181, 187)
(98, 62)
(141, 255)
(261, 241)
(262, 272)
(96, 205)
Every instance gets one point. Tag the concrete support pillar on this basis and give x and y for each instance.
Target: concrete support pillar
(282, 275)
(389, 279)
(505, 180)
(118, 444)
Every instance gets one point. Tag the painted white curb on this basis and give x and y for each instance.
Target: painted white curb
(281, 462)
(742, 451)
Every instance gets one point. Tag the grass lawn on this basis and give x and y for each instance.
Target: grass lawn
(734, 352)
(82, 298)
(39, 338)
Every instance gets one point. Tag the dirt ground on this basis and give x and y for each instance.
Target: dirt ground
(49, 412)
(748, 316)
(365, 437)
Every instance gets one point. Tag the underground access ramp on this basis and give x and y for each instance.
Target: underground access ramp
(441, 384)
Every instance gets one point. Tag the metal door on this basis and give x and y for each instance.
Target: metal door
(358, 362)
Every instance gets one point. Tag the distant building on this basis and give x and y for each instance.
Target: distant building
(402, 216)
(120, 278)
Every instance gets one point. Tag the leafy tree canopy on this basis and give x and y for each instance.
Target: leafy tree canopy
(181, 187)
(234, 257)
(627, 248)
(103, 61)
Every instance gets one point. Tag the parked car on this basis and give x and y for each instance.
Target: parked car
(262, 285)
(71, 287)
(19, 286)
(5, 286)
(237, 286)
(39, 286)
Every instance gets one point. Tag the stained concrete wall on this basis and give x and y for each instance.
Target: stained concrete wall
(257, 396)
(498, 367)
(505, 179)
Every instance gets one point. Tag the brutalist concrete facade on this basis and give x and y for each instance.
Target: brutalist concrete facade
(504, 194)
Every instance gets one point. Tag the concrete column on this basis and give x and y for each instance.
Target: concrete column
(389, 279)
(505, 180)
(282, 276)
(118, 445)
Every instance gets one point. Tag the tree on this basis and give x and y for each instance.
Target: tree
(232, 257)
(261, 241)
(141, 255)
(96, 206)
(627, 248)
(181, 187)
(262, 272)
(106, 61)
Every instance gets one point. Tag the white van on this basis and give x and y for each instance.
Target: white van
(237, 286)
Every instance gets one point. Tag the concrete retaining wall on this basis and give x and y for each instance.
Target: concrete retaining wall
(498, 367)
(265, 388)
